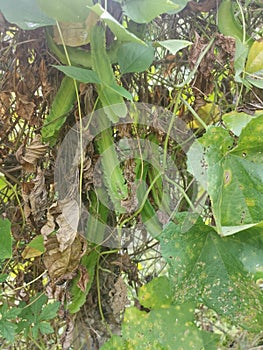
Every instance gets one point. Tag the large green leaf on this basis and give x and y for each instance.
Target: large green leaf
(133, 57)
(213, 270)
(255, 58)
(25, 13)
(118, 29)
(156, 294)
(6, 239)
(234, 175)
(66, 10)
(166, 326)
(236, 121)
(143, 11)
(61, 106)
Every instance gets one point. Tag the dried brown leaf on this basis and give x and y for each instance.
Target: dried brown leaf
(120, 298)
(29, 155)
(83, 279)
(34, 194)
(62, 265)
(68, 223)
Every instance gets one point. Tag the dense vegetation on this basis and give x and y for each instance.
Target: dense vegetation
(131, 174)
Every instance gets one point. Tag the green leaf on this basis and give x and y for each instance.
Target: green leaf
(45, 328)
(66, 10)
(256, 80)
(49, 311)
(240, 58)
(37, 304)
(115, 343)
(6, 239)
(207, 268)
(166, 328)
(133, 57)
(157, 294)
(7, 321)
(81, 74)
(249, 245)
(3, 277)
(120, 91)
(143, 11)
(26, 14)
(236, 121)
(234, 176)
(61, 106)
(34, 248)
(174, 45)
(118, 29)
(255, 58)
(8, 330)
(78, 296)
(35, 331)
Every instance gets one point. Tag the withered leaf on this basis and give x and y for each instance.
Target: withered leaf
(68, 223)
(83, 279)
(28, 156)
(62, 265)
(34, 194)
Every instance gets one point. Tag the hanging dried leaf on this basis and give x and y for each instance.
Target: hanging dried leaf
(34, 194)
(68, 223)
(62, 265)
(83, 279)
(49, 227)
(120, 298)
(29, 155)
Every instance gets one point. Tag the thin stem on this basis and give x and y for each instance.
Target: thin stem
(194, 114)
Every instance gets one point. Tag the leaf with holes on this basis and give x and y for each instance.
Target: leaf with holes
(213, 270)
(166, 325)
(234, 175)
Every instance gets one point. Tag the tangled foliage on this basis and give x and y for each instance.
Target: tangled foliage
(164, 283)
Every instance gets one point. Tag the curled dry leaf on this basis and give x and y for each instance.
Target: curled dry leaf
(119, 298)
(49, 226)
(83, 279)
(63, 215)
(34, 194)
(68, 223)
(28, 156)
(62, 265)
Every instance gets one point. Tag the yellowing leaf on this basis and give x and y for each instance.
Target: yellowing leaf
(209, 113)
(255, 57)
(76, 33)
(34, 248)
